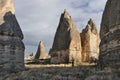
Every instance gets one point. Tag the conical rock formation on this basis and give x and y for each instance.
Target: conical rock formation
(110, 34)
(90, 42)
(11, 45)
(67, 42)
(40, 54)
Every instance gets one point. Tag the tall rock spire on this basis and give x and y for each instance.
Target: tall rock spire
(11, 45)
(40, 54)
(67, 41)
(110, 34)
(90, 42)
(62, 36)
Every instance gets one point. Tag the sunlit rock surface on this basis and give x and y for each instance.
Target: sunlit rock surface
(40, 54)
(5, 6)
(67, 42)
(90, 42)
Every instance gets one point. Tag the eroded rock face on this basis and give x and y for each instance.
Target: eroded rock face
(5, 6)
(110, 34)
(41, 52)
(90, 42)
(67, 41)
(11, 45)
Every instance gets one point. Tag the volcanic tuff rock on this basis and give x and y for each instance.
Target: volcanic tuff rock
(67, 42)
(110, 34)
(90, 42)
(5, 6)
(11, 45)
(41, 52)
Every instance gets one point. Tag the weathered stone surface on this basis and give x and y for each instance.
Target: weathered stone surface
(40, 54)
(11, 45)
(67, 42)
(5, 6)
(110, 34)
(90, 42)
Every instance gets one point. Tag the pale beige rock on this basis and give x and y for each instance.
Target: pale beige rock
(40, 54)
(90, 42)
(6, 6)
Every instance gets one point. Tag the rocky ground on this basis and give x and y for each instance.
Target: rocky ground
(63, 72)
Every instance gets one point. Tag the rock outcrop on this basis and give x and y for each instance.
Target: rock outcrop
(110, 34)
(5, 6)
(29, 58)
(40, 54)
(67, 42)
(90, 42)
(11, 45)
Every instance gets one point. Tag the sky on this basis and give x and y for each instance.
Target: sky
(39, 19)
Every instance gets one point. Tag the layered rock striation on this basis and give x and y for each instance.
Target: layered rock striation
(67, 42)
(110, 34)
(11, 45)
(90, 42)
